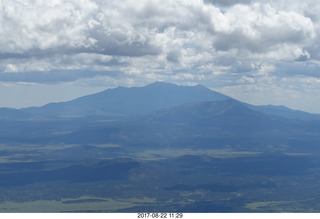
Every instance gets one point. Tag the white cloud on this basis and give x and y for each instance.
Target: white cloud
(29, 27)
(237, 45)
(261, 28)
(173, 29)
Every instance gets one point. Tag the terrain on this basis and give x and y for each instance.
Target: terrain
(159, 148)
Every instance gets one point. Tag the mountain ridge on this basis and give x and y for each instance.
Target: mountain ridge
(184, 115)
(129, 101)
(134, 101)
(207, 123)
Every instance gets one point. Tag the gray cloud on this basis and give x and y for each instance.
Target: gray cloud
(263, 29)
(174, 56)
(227, 2)
(52, 77)
(120, 44)
(213, 41)
(133, 29)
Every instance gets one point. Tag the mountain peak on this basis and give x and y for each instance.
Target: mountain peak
(200, 86)
(157, 83)
(167, 85)
(161, 84)
(132, 101)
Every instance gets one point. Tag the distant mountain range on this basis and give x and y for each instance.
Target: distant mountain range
(136, 101)
(124, 101)
(161, 114)
(13, 114)
(166, 147)
(205, 123)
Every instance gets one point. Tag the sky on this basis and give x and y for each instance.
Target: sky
(260, 52)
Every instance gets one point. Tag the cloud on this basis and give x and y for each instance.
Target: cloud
(51, 77)
(217, 43)
(261, 28)
(171, 29)
(29, 26)
(227, 2)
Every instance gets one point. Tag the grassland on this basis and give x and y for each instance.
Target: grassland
(111, 178)
(81, 204)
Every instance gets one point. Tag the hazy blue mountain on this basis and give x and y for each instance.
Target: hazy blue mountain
(13, 114)
(228, 113)
(157, 113)
(230, 116)
(129, 101)
(205, 123)
(134, 101)
(285, 112)
(168, 140)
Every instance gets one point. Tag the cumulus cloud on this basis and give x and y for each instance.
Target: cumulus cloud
(171, 29)
(217, 43)
(51, 77)
(30, 27)
(227, 2)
